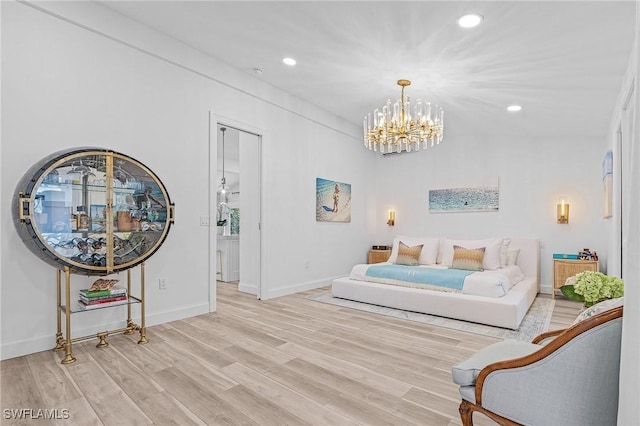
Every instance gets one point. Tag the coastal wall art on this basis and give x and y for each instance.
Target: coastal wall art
(607, 182)
(477, 195)
(333, 201)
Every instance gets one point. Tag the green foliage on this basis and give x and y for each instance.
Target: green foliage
(569, 293)
(222, 222)
(592, 287)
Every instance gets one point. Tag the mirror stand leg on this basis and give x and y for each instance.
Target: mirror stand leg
(103, 340)
(68, 358)
(143, 329)
(59, 340)
(130, 324)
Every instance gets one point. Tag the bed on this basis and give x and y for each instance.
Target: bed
(505, 310)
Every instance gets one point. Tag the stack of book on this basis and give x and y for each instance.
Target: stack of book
(102, 296)
(565, 256)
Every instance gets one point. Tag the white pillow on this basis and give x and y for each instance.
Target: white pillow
(512, 257)
(427, 255)
(504, 249)
(491, 253)
(440, 249)
(598, 308)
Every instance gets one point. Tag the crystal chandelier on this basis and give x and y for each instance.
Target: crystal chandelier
(398, 127)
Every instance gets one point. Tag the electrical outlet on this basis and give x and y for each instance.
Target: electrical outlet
(162, 283)
(204, 220)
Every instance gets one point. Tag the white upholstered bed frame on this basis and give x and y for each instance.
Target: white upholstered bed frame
(507, 311)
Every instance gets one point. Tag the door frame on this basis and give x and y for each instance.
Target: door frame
(622, 146)
(216, 120)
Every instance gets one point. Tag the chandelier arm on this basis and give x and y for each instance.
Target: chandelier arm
(402, 116)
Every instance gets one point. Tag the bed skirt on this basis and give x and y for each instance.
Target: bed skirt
(507, 311)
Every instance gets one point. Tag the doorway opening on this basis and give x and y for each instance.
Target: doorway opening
(235, 245)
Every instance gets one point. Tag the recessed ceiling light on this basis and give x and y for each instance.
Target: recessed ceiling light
(289, 61)
(469, 21)
(514, 108)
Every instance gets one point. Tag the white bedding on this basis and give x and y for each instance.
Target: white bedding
(505, 311)
(493, 283)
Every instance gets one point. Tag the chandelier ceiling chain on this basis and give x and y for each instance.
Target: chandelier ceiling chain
(398, 127)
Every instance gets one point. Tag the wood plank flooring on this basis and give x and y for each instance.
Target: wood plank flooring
(284, 361)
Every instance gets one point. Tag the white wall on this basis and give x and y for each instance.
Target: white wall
(110, 83)
(629, 410)
(115, 84)
(533, 172)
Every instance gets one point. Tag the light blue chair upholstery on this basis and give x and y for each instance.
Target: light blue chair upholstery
(565, 377)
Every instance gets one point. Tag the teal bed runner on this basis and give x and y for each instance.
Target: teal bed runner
(448, 278)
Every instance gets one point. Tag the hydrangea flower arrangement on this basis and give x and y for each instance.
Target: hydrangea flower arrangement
(592, 287)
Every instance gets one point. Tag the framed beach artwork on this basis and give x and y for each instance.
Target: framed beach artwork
(477, 195)
(333, 201)
(607, 182)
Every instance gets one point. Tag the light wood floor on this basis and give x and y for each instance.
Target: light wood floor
(283, 361)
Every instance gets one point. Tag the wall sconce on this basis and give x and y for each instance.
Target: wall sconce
(391, 218)
(563, 210)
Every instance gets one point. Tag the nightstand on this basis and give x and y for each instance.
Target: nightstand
(565, 268)
(377, 256)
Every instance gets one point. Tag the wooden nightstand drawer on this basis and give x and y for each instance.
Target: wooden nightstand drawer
(565, 268)
(377, 256)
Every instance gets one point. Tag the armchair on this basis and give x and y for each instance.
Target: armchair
(563, 377)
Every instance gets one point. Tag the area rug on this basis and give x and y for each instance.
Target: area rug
(536, 320)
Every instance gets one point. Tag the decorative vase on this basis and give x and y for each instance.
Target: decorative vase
(220, 230)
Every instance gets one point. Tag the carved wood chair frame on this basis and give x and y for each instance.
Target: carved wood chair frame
(560, 338)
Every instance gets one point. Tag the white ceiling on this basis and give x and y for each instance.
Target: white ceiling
(562, 61)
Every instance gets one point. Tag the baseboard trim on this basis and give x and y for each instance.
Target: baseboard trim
(545, 288)
(177, 314)
(45, 343)
(250, 289)
(297, 288)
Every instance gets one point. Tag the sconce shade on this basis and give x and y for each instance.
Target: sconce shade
(563, 211)
(391, 218)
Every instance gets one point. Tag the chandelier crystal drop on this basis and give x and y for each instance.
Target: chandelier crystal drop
(399, 127)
